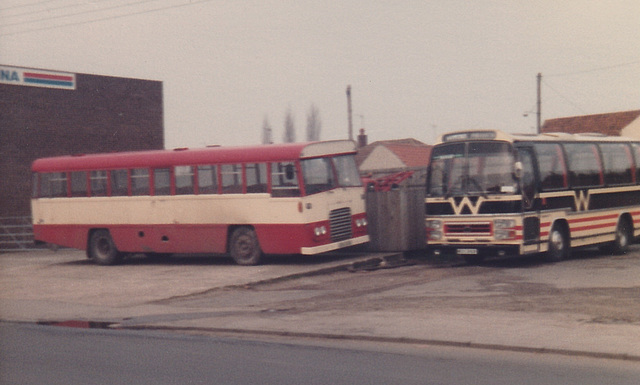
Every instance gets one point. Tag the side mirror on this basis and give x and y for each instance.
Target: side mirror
(517, 170)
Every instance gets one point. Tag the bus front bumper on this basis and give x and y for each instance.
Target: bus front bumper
(475, 250)
(334, 245)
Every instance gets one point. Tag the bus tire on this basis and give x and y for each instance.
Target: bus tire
(244, 246)
(624, 236)
(558, 244)
(102, 250)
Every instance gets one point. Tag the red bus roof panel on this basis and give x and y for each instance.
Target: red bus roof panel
(184, 157)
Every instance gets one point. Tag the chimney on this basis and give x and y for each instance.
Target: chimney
(362, 138)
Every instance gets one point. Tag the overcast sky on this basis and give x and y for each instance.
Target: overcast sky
(417, 68)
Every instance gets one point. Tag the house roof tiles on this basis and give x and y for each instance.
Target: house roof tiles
(608, 124)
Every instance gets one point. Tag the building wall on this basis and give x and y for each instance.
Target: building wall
(632, 130)
(381, 158)
(102, 114)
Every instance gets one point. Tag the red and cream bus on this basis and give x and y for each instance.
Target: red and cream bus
(300, 198)
(490, 193)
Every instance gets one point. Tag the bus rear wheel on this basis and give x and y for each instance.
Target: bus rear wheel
(244, 246)
(624, 236)
(102, 250)
(558, 244)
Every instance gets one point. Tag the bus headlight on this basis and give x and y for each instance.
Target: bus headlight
(434, 229)
(320, 231)
(504, 229)
(361, 222)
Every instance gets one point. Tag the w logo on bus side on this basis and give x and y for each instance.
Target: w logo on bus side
(581, 199)
(472, 205)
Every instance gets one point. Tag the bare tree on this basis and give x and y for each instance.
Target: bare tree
(266, 131)
(289, 128)
(314, 124)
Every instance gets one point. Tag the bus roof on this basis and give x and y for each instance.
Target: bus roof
(460, 136)
(184, 156)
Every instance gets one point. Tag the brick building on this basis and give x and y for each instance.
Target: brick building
(47, 113)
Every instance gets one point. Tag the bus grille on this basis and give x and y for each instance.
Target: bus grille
(468, 229)
(340, 224)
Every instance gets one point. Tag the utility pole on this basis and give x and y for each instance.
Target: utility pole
(349, 112)
(539, 103)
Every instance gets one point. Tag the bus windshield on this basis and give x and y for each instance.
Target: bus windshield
(323, 174)
(472, 168)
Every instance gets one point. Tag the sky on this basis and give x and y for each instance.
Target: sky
(417, 69)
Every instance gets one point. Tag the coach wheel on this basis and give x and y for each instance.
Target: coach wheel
(102, 249)
(244, 246)
(623, 237)
(558, 244)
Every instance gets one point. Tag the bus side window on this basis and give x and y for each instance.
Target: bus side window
(53, 185)
(139, 181)
(98, 183)
(256, 177)
(184, 179)
(636, 154)
(584, 165)
(79, 184)
(551, 165)
(618, 163)
(161, 181)
(207, 179)
(231, 178)
(284, 180)
(119, 183)
(35, 186)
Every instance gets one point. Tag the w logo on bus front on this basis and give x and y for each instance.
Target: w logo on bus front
(581, 199)
(466, 205)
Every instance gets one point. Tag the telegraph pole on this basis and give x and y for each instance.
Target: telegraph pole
(349, 112)
(539, 102)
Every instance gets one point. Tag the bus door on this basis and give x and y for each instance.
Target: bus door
(530, 210)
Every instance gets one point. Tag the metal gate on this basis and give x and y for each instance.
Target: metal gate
(16, 234)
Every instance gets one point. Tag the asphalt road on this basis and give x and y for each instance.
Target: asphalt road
(34, 354)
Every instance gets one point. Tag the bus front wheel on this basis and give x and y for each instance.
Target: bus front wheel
(558, 244)
(102, 250)
(244, 246)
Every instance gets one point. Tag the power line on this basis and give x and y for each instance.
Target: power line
(26, 5)
(564, 97)
(594, 69)
(43, 10)
(79, 13)
(194, 2)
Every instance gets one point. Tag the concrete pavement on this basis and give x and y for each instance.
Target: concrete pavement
(64, 286)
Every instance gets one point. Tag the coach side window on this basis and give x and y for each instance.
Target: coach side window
(636, 154)
(53, 185)
(98, 183)
(284, 180)
(551, 165)
(79, 184)
(184, 179)
(256, 177)
(618, 163)
(161, 181)
(207, 179)
(584, 165)
(119, 183)
(139, 181)
(231, 178)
